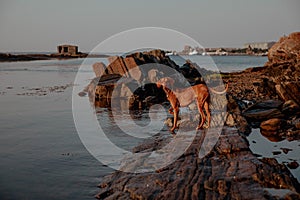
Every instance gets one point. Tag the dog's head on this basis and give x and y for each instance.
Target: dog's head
(165, 82)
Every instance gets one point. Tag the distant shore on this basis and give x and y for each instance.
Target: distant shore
(8, 57)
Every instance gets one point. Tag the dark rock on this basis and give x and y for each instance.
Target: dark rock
(6, 57)
(235, 118)
(276, 153)
(271, 179)
(266, 104)
(296, 123)
(100, 89)
(193, 73)
(293, 165)
(262, 114)
(286, 150)
(293, 135)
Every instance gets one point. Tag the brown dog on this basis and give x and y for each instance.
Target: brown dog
(185, 96)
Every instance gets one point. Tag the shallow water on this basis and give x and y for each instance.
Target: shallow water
(41, 155)
(263, 147)
(225, 63)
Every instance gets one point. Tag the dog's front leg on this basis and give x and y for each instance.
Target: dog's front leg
(175, 112)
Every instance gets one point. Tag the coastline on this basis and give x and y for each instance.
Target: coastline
(8, 57)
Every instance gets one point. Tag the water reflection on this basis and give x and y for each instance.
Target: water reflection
(283, 150)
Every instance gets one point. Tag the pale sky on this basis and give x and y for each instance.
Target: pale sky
(40, 25)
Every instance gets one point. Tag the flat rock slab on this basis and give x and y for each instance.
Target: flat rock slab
(229, 171)
(263, 114)
(266, 104)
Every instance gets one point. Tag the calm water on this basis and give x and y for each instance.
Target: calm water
(265, 148)
(41, 155)
(225, 63)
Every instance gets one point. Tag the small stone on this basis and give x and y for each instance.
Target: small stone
(293, 165)
(169, 122)
(276, 153)
(297, 125)
(82, 94)
(230, 120)
(286, 150)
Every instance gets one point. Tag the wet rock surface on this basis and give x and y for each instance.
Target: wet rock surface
(229, 171)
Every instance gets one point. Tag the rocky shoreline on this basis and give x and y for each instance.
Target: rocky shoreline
(263, 97)
(7, 57)
(229, 171)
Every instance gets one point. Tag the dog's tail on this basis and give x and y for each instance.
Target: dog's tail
(217, 92)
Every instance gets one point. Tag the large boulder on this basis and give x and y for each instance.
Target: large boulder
(272, 125)
(283, 67)
(287, 49)
(289, 91)
(263, 114)
(99, 68)
(136, 68)
(125, 67)
(264, 110)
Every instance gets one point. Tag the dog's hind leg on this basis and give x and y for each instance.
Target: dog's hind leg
(202, 116)
(200, 102)
(206, 108)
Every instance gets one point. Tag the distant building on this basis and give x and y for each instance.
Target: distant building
(259, 45)
(68, 50)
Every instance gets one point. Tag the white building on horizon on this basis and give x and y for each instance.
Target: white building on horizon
(259, 45)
